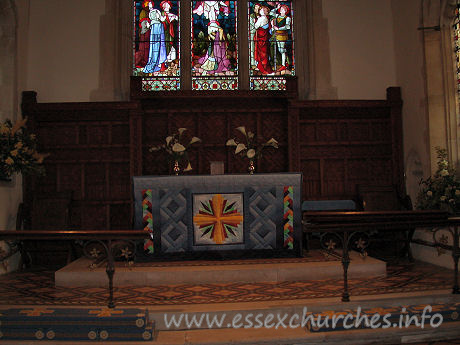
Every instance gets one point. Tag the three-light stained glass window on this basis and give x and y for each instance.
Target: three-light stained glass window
(214, 55)
(157, 44)
(271, 44)
(214, 47)
(456, 34)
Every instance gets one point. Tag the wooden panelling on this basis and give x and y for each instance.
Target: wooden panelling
(89, 147)
(346, 143)
(95, 148)
(214, 125)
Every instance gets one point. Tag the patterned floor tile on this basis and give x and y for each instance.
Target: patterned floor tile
(38, 288)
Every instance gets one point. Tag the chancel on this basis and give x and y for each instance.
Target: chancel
(231, 159)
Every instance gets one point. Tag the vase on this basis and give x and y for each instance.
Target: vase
(176, 168)
(251, 168)
(4, 176)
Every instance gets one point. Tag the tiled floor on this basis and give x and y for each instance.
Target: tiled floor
(32, 288)
(449, 342)
(37, 287)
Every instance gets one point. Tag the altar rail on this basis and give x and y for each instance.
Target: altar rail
(106, 240)
(95, 148)
(352, 230)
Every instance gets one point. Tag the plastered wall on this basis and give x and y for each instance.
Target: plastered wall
(10, 192)
(362, 47)
(63, 42)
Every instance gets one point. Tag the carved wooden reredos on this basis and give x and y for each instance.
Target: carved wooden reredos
(95, 148)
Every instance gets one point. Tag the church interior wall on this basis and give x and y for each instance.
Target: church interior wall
(60, 53)
(10, 192)
(410, 76)
(372, 45)
(361, 47)
(63, 47)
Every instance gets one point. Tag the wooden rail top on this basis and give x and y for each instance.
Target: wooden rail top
(375, 220)
(73, 234)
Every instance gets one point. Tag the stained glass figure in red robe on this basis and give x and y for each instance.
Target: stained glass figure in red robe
(141, 56)
(262, 41)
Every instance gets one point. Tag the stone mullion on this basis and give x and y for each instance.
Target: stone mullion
(185, 45)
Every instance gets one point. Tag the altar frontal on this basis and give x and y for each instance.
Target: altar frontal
(227, 214)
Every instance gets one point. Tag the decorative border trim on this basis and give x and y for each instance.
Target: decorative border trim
(147, 218)
(288, 217)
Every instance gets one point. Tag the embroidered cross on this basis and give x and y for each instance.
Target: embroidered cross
(217, 217)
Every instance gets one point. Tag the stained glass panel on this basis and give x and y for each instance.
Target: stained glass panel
(220, 83)
(271, 43)
(214, 45)
(160, 84)
(268, 83)
(456, 33)
(156, 43)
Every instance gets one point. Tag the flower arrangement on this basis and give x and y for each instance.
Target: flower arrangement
(441, 191)
(18, 150)
(177, 150)
(252, 146)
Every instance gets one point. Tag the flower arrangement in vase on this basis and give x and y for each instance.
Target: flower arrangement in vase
(177, 150)
(251, 147)
(442, 190)
(18, 151)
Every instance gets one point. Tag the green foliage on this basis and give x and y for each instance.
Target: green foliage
(18, 150)
(441, 191)
(200, 44)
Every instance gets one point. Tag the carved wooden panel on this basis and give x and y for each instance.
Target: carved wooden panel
(89, 147)
(346, 143)
(95, 148)
(214, 121)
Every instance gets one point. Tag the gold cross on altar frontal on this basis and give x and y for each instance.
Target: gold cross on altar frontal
(218, 218)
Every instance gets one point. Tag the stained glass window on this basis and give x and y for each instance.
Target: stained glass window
(456, 33)
(156, 44)
(214, 45)
(271, 44)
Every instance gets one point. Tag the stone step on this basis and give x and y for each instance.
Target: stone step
(79, 273)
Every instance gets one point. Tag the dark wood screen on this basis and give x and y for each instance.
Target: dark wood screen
(95, 148)
(343, 144)
(89, 146)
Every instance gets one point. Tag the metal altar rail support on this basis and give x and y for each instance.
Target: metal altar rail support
(107, 242)
(440, 242)
(352, 230)
(455, 251)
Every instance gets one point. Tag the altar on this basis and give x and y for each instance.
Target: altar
(230, 215)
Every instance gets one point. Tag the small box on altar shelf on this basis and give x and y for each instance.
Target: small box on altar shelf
(217, 167)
